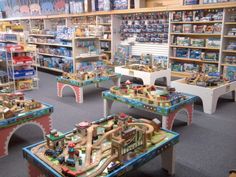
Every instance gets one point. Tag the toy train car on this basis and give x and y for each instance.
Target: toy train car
(113, 166)
(70, 162)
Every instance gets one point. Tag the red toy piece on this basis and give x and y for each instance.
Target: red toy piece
(22, 60)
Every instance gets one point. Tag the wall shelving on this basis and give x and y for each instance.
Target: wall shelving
(111, 20)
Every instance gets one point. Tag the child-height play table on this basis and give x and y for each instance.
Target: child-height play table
(208, 95)
(168, 113)
(148, 78)
(40, 164)
(78, 86)
(39, 117)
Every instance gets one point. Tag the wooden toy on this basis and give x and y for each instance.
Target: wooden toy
(208, 95)
(79, 80)
(15, 112)
(201, 79)
(108, 147)
(163, 101)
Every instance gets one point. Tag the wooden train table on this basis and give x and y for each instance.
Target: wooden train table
(11, 121)
(77, 85)
(158, 100)
(208, 95)
(111, 146)
(148, 77)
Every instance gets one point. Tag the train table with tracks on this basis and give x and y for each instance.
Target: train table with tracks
(163, 101)
(16, 112)
(77, 85)
(108, 147)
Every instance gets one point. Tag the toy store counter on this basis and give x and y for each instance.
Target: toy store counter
(168, 112)
(78, 86)
(148, 78)
(208, 95)
(108, 147)
(39, 117)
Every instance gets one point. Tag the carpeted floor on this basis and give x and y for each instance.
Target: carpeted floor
(207, 148)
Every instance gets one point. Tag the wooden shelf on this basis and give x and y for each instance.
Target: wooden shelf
(42, 35)
(210, 62)
(192, 47)
(195, 34)
(230, 23)
(193, 60)
(130, 11)
(225, 64)
(89, 56)
(186, 59)
(52, 69)
(229, 51)
(196, 22)
(58, 45)
(8, 41)
(108, 40)
(84, 38)
(105, 24)
(52, 55)
(227, 36)
(180, 74)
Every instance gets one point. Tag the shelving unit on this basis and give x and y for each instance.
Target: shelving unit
(22, 67)
(84, 20)
(228, 55)
(106, 39)
(195, 40)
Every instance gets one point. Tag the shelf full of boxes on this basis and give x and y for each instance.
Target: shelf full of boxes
(195, 40)
(228, 55)
(16, 59)
(204, 37)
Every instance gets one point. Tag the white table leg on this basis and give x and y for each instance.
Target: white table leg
(107, 106)
(164, 122)
(209, 104)
(168, 160)
(168, 80)
(147, 81)
(116, 81)
(81, 95)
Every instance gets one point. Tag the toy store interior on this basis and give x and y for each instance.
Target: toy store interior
(105, 88)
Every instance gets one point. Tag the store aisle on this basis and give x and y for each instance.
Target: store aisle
(206, 148)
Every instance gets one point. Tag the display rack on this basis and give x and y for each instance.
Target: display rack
(195, 41)
(106, 39)
(229, 45)
(216, 55)
(20, 61)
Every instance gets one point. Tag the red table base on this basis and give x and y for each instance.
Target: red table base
(44, 123)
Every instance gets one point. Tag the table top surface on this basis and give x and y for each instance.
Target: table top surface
(33, 114)
(167, 139)
(182, 82)
(129, 68)
(80, 83)
(136, 103)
